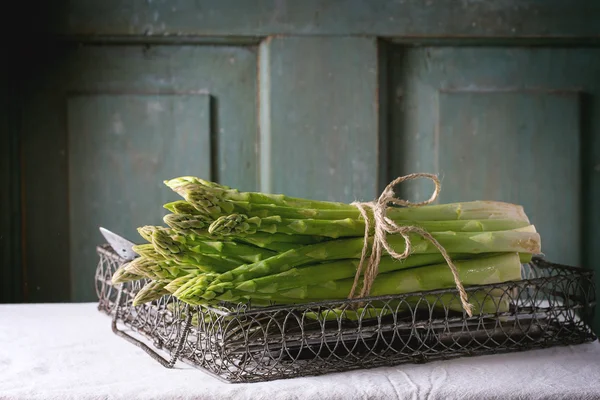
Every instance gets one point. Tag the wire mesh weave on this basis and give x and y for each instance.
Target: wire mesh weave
(552, 305)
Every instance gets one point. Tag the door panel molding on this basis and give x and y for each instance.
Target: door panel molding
(319, 117)
(92, 80)
(542, 100)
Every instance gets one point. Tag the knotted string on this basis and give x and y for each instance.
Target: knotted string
(384, 225)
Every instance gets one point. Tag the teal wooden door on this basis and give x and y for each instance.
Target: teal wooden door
(510, 124)
(111, 124)
(329, 100)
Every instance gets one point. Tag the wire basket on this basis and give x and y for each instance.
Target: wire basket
(552, 305)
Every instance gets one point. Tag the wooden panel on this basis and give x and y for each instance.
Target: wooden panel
(550, 99)
(121, 148)
(409, 18)
(516, 159)
(319, 117)
(228, 74)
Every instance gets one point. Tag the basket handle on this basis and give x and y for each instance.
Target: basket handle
(163, 361)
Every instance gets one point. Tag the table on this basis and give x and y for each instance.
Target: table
(67, 351)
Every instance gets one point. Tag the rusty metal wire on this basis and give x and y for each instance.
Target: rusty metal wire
(552, 305)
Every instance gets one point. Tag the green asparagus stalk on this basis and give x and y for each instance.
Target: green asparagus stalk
(214, 203)
(239, 224)
(146, 232)
(213, 255)
(190, 289)
(158, 270)
(181, 207)
(151, 291)
(519, 241)
(177, 283)
(236, 224)
(167, 241)
(147, 250)
(479, 271)
(469, 210)
(121, 275)
(227, 245)
(207, 263)
(185, 180)
(228, 194)
(190, 224)
(320, 273)
(464, 242)
(279, 242)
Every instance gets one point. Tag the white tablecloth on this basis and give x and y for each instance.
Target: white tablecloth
(67, 351)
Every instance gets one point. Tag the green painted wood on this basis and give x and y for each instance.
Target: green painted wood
(516, 124)
(121, 148)
(319, 117)
(528, 158)
(408, 18)
(81, 87)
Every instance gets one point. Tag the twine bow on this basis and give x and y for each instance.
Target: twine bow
(384, 225)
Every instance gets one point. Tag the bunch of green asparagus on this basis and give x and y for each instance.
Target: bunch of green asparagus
(220, 244)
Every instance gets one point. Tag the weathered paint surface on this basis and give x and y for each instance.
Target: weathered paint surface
(519, 147)
(514, 124)
(309, 86)
(319, 121)
(92, 100)
(119, 156)
(408, 18)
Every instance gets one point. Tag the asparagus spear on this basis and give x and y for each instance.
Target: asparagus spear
(190, 224)
(121, 275)
(167, 241)
(219, 229)
(187, 257)
(239, 224)
(177, 283)
(315, 274)
(467, 210)
(206, 255)
(151, 291)
(225, 193)
(279, 242)
(478, 271)
(214, 203)
(159, 270)
(147, 250)
(321, 273)
(190, 289)
(463, 242)
(181, 207)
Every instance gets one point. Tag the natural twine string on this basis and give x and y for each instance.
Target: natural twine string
(384, 225)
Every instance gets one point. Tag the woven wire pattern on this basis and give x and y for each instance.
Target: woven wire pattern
(553, 305)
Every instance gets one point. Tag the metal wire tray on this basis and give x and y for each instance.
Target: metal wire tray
(552, 305)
